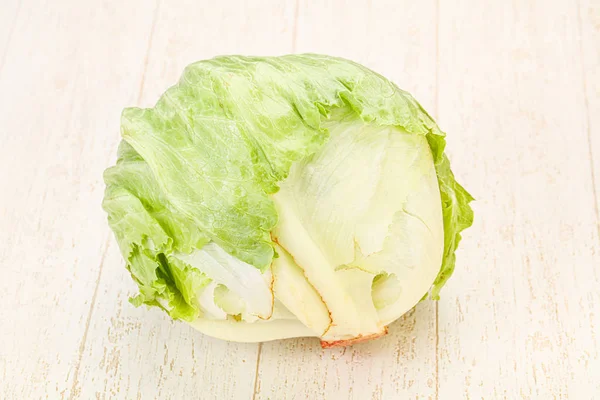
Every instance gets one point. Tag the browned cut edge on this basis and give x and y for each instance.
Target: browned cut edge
(271, 288)
(354, 340)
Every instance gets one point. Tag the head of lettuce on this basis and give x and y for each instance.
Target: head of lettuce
(267, 198)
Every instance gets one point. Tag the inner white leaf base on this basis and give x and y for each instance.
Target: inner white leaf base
(359, 242)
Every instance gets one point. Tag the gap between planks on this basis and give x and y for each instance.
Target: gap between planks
(586, 103)
(295, 29)
(148, 48)
(255, 388)
(89, 319)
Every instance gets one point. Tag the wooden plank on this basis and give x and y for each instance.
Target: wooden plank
(140, 353)
(68, 68)
(520, 318)
(403, 364)
(8, 21)
(589, 20)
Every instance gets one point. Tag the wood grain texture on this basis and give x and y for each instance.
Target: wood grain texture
(515, 84)
(402, 364)
(520, 318)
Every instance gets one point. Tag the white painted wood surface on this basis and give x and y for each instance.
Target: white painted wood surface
(516, 86)
(524, 306)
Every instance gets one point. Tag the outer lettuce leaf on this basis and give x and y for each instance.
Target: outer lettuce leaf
(201, 165)
(457, 213)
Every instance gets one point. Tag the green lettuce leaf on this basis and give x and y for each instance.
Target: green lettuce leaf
(202, 165)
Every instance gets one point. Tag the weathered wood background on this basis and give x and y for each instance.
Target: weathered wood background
(515, 84)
